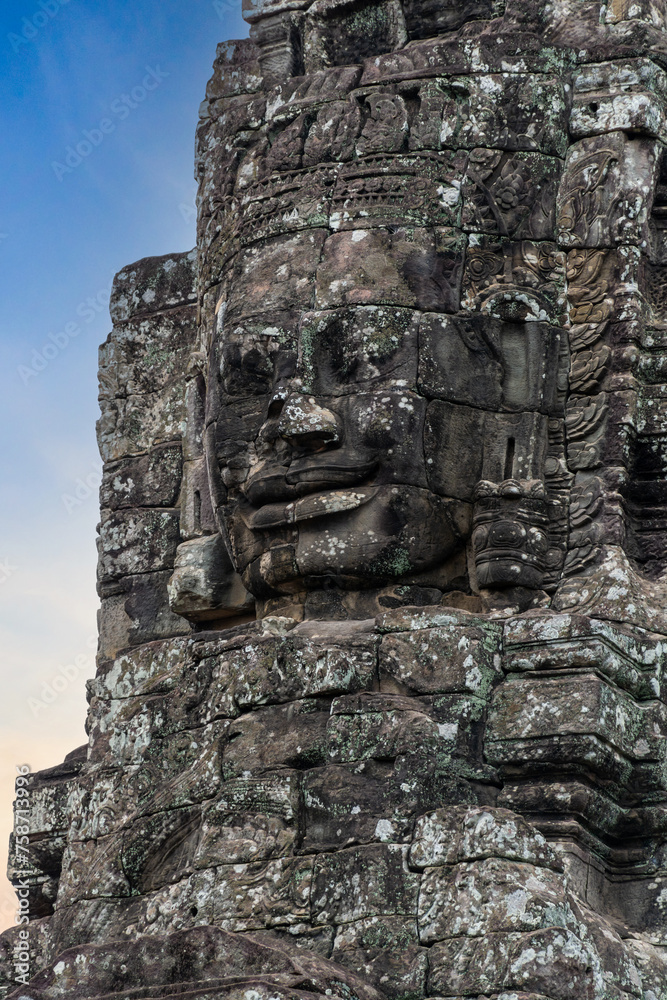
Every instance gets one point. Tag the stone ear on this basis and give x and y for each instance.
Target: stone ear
(205, 586)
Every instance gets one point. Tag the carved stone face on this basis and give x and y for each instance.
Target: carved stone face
(392, 269)
(351, 437)
(339, 469)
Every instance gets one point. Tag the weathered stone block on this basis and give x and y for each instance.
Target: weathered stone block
(195, 406)
(626, 95)
(351, 804)
(241, 907)
(146, 354)
(632, 660)
(274, 670)
(138, 613)
(236, 70)
(93, 870)
(576, 704)
(510, 194)
(438, 660)
(341, 33)
(153, 285)
(136, 424)
(294, 736)
(241, 837)
(552, 962)
(419, 268)
(410, 619)
(254, 10)
(39, 835)
(278, 39)
(136, 541)
(197, 514)
(385, 951)
(518, 282)
(419, 189)
(205, 584)
(490, 896)
(347, 350)
(507, 367)
(363, 882)
(94, 806)
(205, 956)
(462, 834)
(123, 728)
(255, 289)
(497, 112)
(377, 728)
(152, 480)
(450, 475)
(276, 793)
(556, 801)
(290, 207)
(426, 18)
(614, 208)
(377, 800)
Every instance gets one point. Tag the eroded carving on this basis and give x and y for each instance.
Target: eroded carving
(380, 705)
(510, 533)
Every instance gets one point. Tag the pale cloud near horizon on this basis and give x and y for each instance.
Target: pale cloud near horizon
(48, 609)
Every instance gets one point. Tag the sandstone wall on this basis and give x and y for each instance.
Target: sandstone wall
(461, 796)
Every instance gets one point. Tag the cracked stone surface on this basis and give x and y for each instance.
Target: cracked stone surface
(380, 707)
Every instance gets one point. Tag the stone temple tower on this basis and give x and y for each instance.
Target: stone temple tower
(381, 709)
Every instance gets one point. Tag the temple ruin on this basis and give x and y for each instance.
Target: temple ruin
(381, 706)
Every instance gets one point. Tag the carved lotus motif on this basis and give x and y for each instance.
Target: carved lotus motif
(587, 286)
(550, 259)
(512, 188)
(483, 264)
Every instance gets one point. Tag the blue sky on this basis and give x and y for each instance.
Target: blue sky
(68, 221)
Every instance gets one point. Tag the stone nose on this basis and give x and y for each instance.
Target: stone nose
(304, 421)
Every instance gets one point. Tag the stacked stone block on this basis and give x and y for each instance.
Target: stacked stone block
(445, 223)
(355, 789)
(143, 400)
